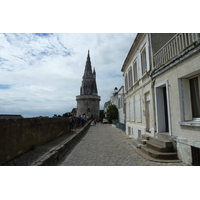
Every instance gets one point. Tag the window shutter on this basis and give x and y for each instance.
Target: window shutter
(127, 110)
(138, 108)
(147, 56)
(139, 66)
(135, 71)
(132, 110)
(126, 82)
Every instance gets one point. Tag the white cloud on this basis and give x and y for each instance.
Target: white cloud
(43, 73)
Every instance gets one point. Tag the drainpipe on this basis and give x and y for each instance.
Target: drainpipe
(154, 107)
(152, 82)
(150, 53)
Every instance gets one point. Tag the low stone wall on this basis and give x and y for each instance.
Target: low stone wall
(18, 136)
(51, 157)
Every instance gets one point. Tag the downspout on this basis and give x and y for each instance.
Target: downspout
(154, 107)
(152, 83)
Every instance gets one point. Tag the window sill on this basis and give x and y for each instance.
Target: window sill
(136, 83)
(190, 123)
(144, 75)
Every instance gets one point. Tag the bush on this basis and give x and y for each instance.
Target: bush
(112, 113)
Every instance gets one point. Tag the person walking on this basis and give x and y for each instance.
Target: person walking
(79, 121)
(71, 124)
(74, 123)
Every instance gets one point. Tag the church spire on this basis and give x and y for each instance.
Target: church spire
(88, 67)
(94, 72)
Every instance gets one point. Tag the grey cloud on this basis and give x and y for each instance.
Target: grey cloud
(48, 69)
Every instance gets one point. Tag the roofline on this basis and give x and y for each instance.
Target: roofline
(120, 88)
(131, 49)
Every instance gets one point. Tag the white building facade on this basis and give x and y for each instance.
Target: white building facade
(162, 90)
(138, 90)
(176, 75)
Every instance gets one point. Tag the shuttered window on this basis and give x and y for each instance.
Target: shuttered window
(135, 71)
(126, 83)
(127, 111)
(132, 113)
(144, 61)
(130, 77)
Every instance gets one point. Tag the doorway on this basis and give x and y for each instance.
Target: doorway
(162, 108)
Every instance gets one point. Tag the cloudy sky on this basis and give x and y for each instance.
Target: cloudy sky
(41, 74)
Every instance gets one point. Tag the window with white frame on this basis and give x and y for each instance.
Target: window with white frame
(130, 77)
(144, 60)
(135, 71)
(190, 88)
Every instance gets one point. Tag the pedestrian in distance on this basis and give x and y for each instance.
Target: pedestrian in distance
(74, 123)
(71, 124)
(79, 121)
(82, 122)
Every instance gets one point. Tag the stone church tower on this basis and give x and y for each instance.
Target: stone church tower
(88, 100)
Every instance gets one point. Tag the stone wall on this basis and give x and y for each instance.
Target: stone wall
(89, 105)
(18, 136)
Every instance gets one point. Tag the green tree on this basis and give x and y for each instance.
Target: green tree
(112, 113)
(67, 114)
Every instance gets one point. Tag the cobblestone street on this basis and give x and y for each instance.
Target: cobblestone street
(105, 145)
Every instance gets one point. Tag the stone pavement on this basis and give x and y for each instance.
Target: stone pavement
(104, 145)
